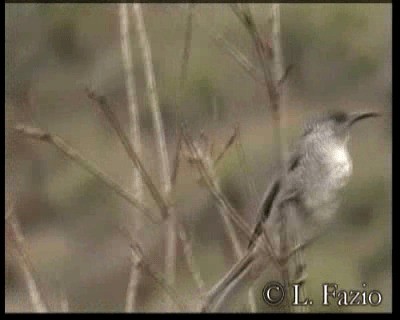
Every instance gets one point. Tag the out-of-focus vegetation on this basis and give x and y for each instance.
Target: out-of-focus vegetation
(342, 60)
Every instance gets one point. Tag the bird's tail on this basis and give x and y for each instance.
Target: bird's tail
(228, 285)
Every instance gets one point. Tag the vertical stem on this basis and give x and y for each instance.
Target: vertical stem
(134, 126)
(153, 97)
(184, 238)
(277, 71)
(208, 165)
(300, 274)
(27, 268)
(254, 195)
(171, 230)
(187, 43)
(237, 248)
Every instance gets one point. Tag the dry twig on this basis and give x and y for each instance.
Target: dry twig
(171, 230)
(140, 260)
(237, 56)
(102, 103)
(220, 197)
(60, 144)
(37, 301)
(157, 196)
(134, 125)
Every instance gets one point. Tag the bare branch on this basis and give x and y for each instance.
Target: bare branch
(228, 144)
(183, 236)
(37, 301)
(202, 169)
(140, 260)
(134, 125)
(272, 95)
(239, 57)
(133, 109)
(101, 102)
(133, 282)
(220, 197)
(153, 97)
(301, 246)
(138, 256)
(187, 42)
(176, 162)
(285, 75)
(278, 75)
(300, 273)
(205, 157)
(60, 144)
(171, 230)
(192, 266)
(162, 204)
(253, 194)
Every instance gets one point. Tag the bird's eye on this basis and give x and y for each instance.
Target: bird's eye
(339, 117)
(307, 131)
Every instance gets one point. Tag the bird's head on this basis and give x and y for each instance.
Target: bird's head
(337, 124)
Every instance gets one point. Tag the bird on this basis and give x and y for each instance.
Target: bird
(306, 189)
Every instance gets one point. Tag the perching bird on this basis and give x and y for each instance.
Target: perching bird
(306, 188)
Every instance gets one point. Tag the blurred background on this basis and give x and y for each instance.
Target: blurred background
(342, 60)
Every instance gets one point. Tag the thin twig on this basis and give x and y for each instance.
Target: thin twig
(171, 230)
(279, 75)
(239, 57)
(134, 125)
(102, 103)
(220, 197)
(192, 266)
(37, 301)
(133, 282)
(181, 87)
(301, 246)
(273, 78)
(60, 144)
(228, 144)
(182, 83)
(285, 75)
(300, 269)
(133, 109)
(253, 193)
(183, 236)
(187, 43)
(43, 136)
(153, 97)
(205, 157)
(139, 259)
(159, 199)
(202, 169)
(176, 162)
(272, 93)
(161, 281)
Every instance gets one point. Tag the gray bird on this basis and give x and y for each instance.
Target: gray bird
(306, 188)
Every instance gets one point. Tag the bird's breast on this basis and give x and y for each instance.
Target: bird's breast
(340, 166)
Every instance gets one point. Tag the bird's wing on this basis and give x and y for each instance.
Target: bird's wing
(271, 194)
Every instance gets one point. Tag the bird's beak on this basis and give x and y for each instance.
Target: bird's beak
(361, 115)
